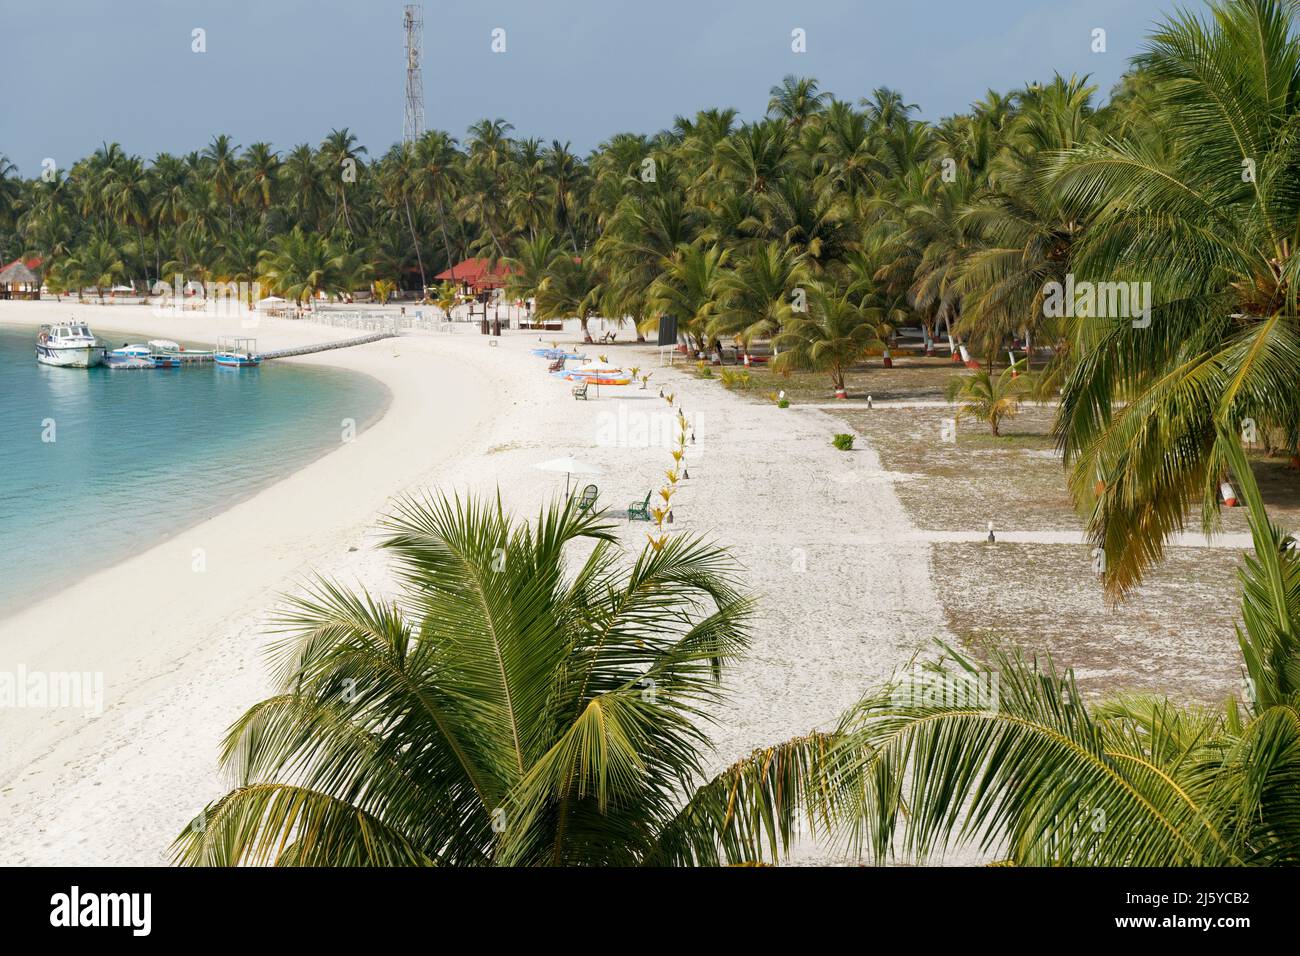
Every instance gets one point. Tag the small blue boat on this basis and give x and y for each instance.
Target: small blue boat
(237, 353)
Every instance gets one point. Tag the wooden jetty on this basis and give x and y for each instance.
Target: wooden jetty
(188, 357)
(326, 346)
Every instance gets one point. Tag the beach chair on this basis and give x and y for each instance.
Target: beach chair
(608, 337)
(640, 511)
(580, 391)
(587, 500)
(556, 366)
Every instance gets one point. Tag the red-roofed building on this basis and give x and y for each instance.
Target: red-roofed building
(476, 275)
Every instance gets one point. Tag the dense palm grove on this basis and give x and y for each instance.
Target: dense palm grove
(820, 228)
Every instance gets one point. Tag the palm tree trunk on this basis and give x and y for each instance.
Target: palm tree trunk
(424, 283)
(442, 227)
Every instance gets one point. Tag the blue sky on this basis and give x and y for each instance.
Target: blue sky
(287, 71)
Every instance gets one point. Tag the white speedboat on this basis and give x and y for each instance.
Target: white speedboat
(130, 356)
(68, 344)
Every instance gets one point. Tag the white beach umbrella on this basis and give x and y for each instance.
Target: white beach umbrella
(270, 302)
(598, 367)
(570, 466)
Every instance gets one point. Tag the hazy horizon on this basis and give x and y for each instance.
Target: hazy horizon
(277, 71)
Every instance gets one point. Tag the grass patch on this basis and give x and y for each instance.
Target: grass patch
(1015, 480)
(911, 379)
(1174, 635)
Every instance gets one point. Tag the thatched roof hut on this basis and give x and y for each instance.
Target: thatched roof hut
(20, 279)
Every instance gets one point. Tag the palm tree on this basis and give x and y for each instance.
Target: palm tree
(437, 178)
(240, 258)
(572, 289)
(95, 265)
(350, 269)
(754, 157)
(989, 399)
(446, 297)
(502, 710)
(688, 290)
(222, 167)
(757, 297)
(886, 109)
(258, 177)
(400, 184)
(1205, 211)
(816, 221)
(298, 265)
(126, 198)
(567, 177)
(796, 100)
(9, 191)
(1021, 231)
(340, 156)
(832, 336)
(302, 180)
(530, 266)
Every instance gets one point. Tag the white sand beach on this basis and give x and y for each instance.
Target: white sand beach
(837, 615)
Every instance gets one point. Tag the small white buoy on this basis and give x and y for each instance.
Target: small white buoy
(990, 538)
(868, 401)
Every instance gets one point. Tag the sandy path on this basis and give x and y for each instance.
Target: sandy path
(838, 614)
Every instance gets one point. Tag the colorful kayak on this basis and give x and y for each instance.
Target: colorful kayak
(554, 354)
(595, 378)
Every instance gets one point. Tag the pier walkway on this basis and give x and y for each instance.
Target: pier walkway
(326, 346)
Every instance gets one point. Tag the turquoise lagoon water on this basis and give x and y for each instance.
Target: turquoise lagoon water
(139, 455)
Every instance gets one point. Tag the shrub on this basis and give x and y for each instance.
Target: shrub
(783, 403)
(843, 442)
(736, 378)
(703, 370)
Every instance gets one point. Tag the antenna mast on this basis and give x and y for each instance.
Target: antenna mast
(413, 119)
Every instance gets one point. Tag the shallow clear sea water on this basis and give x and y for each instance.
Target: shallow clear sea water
(139, 455)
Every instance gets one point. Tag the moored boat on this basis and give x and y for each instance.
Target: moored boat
(237, 353)
(169, 354)
(140, 356)
(68, 345)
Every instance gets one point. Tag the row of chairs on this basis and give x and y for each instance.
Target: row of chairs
(636, 511)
